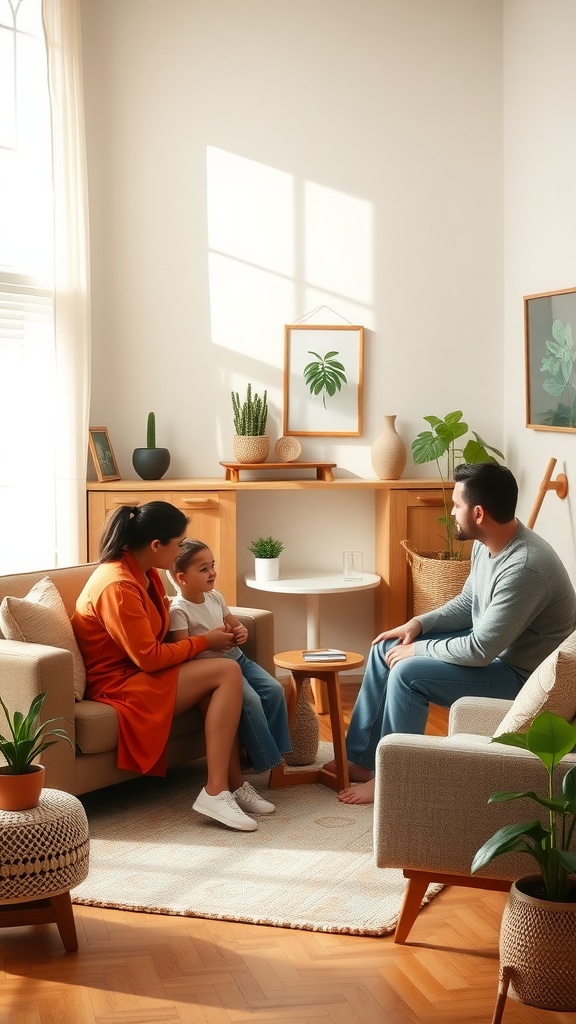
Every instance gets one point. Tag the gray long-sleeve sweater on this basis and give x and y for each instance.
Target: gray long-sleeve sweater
(520, 605)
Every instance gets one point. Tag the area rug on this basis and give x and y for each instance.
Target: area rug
(309, 865)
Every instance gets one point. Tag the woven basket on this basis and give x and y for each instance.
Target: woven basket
(251, 448)
(435, 578)
(304, 732)
(538, 948)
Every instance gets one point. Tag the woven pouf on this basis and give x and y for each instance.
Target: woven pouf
(304, 731)
(43, 854)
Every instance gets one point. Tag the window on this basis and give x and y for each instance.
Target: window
(27, 346)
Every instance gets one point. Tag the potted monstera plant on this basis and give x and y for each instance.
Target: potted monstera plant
(439, 575)
(537, 937)
(21, 781)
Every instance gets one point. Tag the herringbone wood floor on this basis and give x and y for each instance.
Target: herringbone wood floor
(147, 969)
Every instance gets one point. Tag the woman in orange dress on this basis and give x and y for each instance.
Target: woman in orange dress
(120, 622)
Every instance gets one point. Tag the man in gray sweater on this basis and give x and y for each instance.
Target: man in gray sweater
(516, 607)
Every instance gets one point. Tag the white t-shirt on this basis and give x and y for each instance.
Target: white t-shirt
(201, 618)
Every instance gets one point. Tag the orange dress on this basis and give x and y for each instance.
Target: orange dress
(120, 621)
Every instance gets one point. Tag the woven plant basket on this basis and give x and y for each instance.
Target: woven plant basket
(538, 947)
(435, 578)
(304, 732)
(251, 448)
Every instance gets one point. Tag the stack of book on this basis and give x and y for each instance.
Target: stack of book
(324, 654)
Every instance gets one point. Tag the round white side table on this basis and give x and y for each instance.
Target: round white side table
(313, 587)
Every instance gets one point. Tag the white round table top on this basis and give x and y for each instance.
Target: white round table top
(334, 584)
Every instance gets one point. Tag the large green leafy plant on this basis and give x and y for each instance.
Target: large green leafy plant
(439, 445)
(27, 737)
(550, 738)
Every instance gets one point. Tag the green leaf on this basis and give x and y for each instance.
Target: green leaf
(558, 806)
(510, 838)
(558, 331)
(427, 448)
(512, 739)
(550, 737)
(568, 860)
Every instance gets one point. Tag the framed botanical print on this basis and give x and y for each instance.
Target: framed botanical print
(323, 380)
(549, 335)
(102, 455)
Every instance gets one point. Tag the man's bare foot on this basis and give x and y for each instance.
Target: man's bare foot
(355, 772)
(361, 794)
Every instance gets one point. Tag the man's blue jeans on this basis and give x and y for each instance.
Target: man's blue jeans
(264, 720)
(397, 699)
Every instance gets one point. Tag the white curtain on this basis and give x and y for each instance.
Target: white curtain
(61, 20)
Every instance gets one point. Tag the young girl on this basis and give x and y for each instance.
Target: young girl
(121, 621)
(199, 607)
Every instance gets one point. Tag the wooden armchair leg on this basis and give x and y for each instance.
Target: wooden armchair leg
(413, 896)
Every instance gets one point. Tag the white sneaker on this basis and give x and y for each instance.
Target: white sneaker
(223, 808)
(249, 799)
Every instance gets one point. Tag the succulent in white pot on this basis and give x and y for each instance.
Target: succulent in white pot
(266, 551)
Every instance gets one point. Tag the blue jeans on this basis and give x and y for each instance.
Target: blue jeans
(397, 699)
(264, 719)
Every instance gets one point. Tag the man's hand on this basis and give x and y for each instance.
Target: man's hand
(399, 653)
(406, 634)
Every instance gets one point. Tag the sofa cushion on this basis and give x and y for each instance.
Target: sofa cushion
(96, 726)
(551, 687)
(41, 618)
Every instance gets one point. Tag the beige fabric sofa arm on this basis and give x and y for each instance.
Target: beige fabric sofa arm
(29, 669)
(260, 644)
(477, 715)
(431, 810)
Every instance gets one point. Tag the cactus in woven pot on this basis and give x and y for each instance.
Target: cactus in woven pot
(251, 442)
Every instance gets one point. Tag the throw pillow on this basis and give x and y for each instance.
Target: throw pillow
(551, 687)
(41, 618)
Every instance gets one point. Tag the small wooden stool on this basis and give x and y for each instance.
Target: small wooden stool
(327, 672)
(43, 854)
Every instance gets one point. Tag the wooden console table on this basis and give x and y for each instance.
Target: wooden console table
(323, 469)
(405, 509)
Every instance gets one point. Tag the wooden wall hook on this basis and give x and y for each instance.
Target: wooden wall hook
(560, 485)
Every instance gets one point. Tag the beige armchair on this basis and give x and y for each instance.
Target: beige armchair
(431, 812)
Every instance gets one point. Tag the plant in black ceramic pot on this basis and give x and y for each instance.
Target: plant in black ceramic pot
(151, 462)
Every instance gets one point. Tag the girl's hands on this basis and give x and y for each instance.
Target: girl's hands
(220, 639)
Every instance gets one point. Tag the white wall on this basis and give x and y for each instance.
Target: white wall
(251, 161)
(540, 237)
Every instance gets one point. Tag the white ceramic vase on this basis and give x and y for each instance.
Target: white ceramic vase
(266, 569)
(389, 452)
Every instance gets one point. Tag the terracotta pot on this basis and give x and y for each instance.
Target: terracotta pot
(538, 947)
(20, 792)
(251, 448)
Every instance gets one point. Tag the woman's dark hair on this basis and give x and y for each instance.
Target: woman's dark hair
(188, 551)
(490, 485)
(132, 527)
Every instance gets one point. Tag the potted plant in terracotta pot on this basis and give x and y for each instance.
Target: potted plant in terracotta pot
(266, 551)
(151, 462)
(437, 576)
(21, 781)
(251, 442)
(537, 937)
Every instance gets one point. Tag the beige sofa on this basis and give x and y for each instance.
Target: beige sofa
(27, 669)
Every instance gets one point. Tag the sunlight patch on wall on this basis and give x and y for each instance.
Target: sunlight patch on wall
(339, 244)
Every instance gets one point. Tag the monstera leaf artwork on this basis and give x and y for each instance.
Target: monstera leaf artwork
(325, 376)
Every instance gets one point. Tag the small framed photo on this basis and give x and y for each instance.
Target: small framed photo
(323, 371)
(102, 455)
(550, 339)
